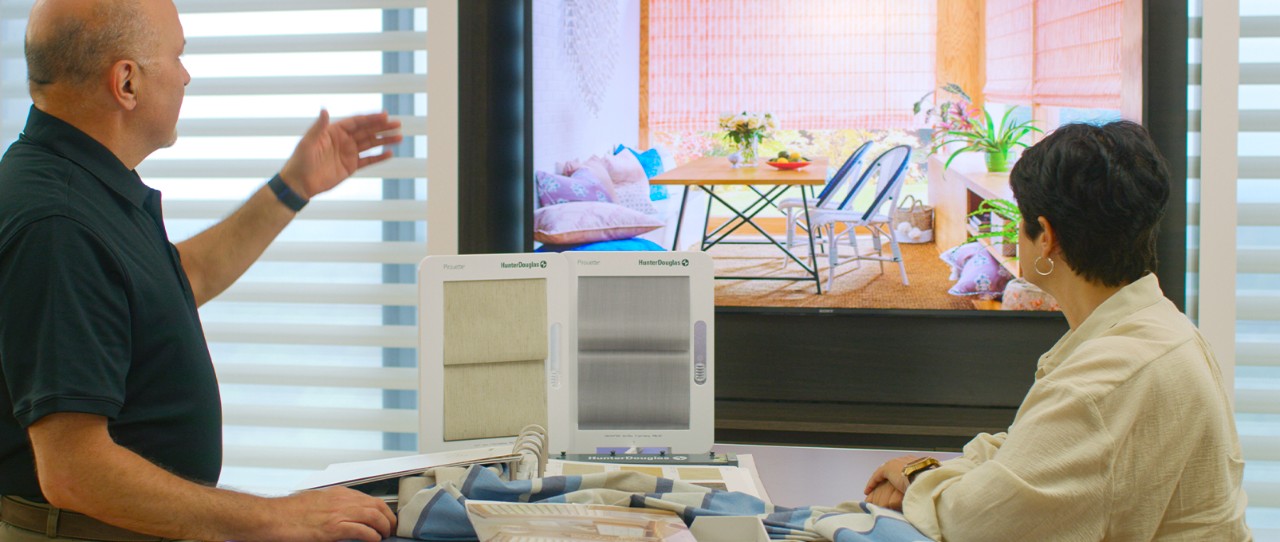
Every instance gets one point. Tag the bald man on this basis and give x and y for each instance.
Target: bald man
(110, 420)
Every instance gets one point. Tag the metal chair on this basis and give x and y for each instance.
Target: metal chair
(827, 198)
(887, 173)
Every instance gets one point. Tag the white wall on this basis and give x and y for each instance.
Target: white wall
(565, 127)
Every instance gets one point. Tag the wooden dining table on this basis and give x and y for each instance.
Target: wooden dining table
(767, 183)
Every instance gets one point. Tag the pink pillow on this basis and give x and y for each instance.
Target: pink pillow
(589, 221)
(597, 166)
(630, 183)
(582, 186)
(976, 272)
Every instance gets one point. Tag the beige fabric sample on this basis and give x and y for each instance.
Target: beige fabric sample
(495, 350)
(492, 400)
(492, 321)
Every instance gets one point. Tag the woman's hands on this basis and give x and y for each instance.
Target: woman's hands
(887, 486)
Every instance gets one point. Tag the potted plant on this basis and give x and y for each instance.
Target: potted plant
(1002, 229)
(971, 129)
(995, 140)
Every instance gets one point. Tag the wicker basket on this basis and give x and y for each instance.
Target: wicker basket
(916, 215)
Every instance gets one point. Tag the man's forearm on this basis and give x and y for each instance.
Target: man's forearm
(83, 470)
(216, 257)
(97, 477)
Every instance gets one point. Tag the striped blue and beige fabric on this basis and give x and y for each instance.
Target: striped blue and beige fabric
(438, 513)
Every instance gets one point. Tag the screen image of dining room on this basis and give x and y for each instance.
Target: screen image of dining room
(825, 153)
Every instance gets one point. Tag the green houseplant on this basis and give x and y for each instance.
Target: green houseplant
(1004, 234)
(956, 120)
(996, 140)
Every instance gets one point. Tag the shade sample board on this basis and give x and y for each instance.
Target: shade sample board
(489, 334)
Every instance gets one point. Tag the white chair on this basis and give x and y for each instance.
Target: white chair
(886, 174)
(829, 197)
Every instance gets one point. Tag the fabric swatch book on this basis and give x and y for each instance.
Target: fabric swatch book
(384, 477)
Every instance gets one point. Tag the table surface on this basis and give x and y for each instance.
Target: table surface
(812, 476)
(716, 170)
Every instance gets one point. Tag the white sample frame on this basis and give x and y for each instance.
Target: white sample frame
(433, 274)
(699, 434)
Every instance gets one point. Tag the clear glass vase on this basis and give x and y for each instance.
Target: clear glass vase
(750, 152)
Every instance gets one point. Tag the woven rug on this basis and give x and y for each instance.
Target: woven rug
(854, 287)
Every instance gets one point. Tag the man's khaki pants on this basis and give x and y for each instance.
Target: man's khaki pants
(9, 533)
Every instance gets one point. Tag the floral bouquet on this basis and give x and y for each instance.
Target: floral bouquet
(745, 130)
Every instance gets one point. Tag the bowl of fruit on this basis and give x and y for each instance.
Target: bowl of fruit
(788, 160)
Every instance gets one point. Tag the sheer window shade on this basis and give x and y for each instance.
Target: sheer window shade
(1257, 360)
(817, 65)
(1077, 53)
(314, 346)
(1010, 51)
(1064, 53)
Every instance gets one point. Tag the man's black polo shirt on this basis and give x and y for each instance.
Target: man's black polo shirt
(96, 314)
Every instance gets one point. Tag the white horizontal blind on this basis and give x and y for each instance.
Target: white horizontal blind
(1257, 360)
(315, 345)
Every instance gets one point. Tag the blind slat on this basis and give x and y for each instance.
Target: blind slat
(1258, 447)
(308, 43)
(330, 293)
(386, 378)
(18, 9)
(1259, 167)
(305, 43)
(257, 127)
(384, 210)
(1257, 351)
(1262, 494)
(1257, 396)
(1258, 305)
(310, 417)
(393, 83)
(313, 334)
(1252, 120)
(1248, 214)
(399, 168)
(1260, 73)
(1249, 260)
(403, 252)
(1258, 259)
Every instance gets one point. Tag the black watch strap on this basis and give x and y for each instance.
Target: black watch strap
(286, 195)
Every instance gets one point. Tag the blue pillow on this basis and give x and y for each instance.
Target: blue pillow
(634, 244)
(652, 164)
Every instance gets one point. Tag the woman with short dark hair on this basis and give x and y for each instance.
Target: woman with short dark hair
(1127, 432)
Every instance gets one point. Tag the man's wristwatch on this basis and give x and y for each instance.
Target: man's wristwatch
(286, 195)
(914, 468)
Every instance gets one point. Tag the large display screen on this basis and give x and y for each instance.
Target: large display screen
(665, 125)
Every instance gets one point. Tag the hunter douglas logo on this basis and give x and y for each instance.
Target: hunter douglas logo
(666, 263)
(523, 265)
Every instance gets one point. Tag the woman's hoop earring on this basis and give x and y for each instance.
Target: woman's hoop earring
(1037, 266)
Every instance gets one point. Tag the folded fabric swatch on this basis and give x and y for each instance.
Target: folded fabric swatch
(438, 513)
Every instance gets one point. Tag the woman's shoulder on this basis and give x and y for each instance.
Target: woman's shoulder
(1156, 336)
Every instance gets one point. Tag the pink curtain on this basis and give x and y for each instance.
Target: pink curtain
(1078, 51)
(1010, 51)
(815, 64)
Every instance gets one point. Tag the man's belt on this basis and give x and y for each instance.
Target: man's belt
(58, 523)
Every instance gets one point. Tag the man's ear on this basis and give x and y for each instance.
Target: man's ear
(124, 83)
